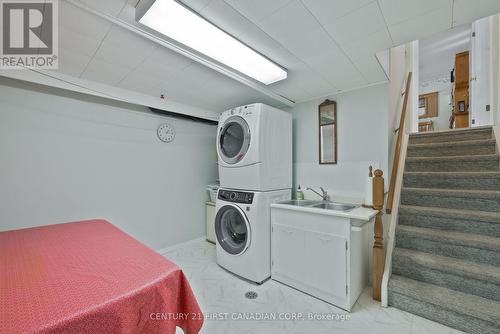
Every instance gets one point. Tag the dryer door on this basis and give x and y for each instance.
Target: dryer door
(234, 140)
(232, 229)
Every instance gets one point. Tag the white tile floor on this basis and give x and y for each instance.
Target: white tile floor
(218, 291)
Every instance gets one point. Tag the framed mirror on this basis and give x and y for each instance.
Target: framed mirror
(328, 132)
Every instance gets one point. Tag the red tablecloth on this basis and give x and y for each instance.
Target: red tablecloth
(90, 277)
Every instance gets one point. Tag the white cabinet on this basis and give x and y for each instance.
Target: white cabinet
(312, 253)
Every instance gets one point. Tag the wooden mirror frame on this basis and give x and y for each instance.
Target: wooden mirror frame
(327, 103)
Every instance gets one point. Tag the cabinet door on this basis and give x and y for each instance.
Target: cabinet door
(288, 252)
(326, 258)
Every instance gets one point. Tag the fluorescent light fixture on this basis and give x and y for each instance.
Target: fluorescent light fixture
(181, 24)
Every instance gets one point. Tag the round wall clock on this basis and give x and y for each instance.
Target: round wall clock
(166, 132)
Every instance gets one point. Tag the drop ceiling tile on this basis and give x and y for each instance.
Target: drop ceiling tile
(337, 69)
(396, 11)
(105, 72)
(257, 10)
(112, 54)
(363, 54)
(311, 42)
(369, 67)
(421, 27)
(283, 57)
(77, 42)
(370, 44)
(198, 73)
(288, 22)
(139, 81)
(357, 24)
(85, 23)
(130, 42)
(328, 10)
(164, 58)
(71, 62)
(466, 11)
(110, 7)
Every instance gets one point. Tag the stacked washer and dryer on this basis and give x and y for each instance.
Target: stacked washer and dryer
(254, 148)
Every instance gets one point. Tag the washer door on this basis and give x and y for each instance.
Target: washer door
(232, 229)
(234, 140)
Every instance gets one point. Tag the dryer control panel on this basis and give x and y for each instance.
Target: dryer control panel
(235, 196)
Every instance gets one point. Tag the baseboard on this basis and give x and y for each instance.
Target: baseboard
(182, 244)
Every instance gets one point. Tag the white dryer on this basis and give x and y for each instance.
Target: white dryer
(254, 148)
(243, 231)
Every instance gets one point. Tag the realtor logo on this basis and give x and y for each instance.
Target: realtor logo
(29, 34)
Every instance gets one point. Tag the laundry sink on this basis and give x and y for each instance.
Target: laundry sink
(320, 205)
(334, 206)
(299, 202)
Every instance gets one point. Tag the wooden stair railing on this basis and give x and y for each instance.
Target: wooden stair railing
(397, 148)
(378, 255)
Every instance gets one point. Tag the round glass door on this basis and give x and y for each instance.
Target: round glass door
(232, 230)
(234, 140)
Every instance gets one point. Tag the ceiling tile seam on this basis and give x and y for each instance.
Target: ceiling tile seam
(96, 50)
(453, 13)
(415, 17)
(353, 10)
(385, 22)
(272, 12)
(100, 43)
(139, 64)
(335, 41)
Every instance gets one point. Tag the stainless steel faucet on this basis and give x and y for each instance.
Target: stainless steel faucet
(324, 194)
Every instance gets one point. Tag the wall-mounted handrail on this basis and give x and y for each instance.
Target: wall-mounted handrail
(397, 149)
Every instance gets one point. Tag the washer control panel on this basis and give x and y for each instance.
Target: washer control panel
(235, 196)
(241, 111)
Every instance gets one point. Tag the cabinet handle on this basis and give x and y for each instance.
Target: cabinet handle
(324, 239)
(287, 232)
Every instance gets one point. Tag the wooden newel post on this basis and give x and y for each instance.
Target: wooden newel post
(378, 245)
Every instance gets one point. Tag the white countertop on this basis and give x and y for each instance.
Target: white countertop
(360, 213)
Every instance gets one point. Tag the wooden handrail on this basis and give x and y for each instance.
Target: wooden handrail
(378, 255)
(397, 148)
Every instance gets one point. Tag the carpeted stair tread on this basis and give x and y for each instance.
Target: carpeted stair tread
(452, 135)
(481, 200)
(483, 162)
(489, 180)
(451, 237)
(482, 272)
(454, 301)
(451, 213)
(465, 221)
(451, 148)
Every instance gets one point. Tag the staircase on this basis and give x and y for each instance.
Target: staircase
(446, 262)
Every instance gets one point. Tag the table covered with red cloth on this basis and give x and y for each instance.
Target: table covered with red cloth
(90, 277)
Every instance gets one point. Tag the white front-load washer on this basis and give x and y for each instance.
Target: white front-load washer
(254, 148)
(243, 231)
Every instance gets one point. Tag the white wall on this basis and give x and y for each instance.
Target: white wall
(67, 156)
(362, 141)
(443, 87)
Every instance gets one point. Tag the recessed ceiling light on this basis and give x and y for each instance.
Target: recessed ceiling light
(183, 25)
